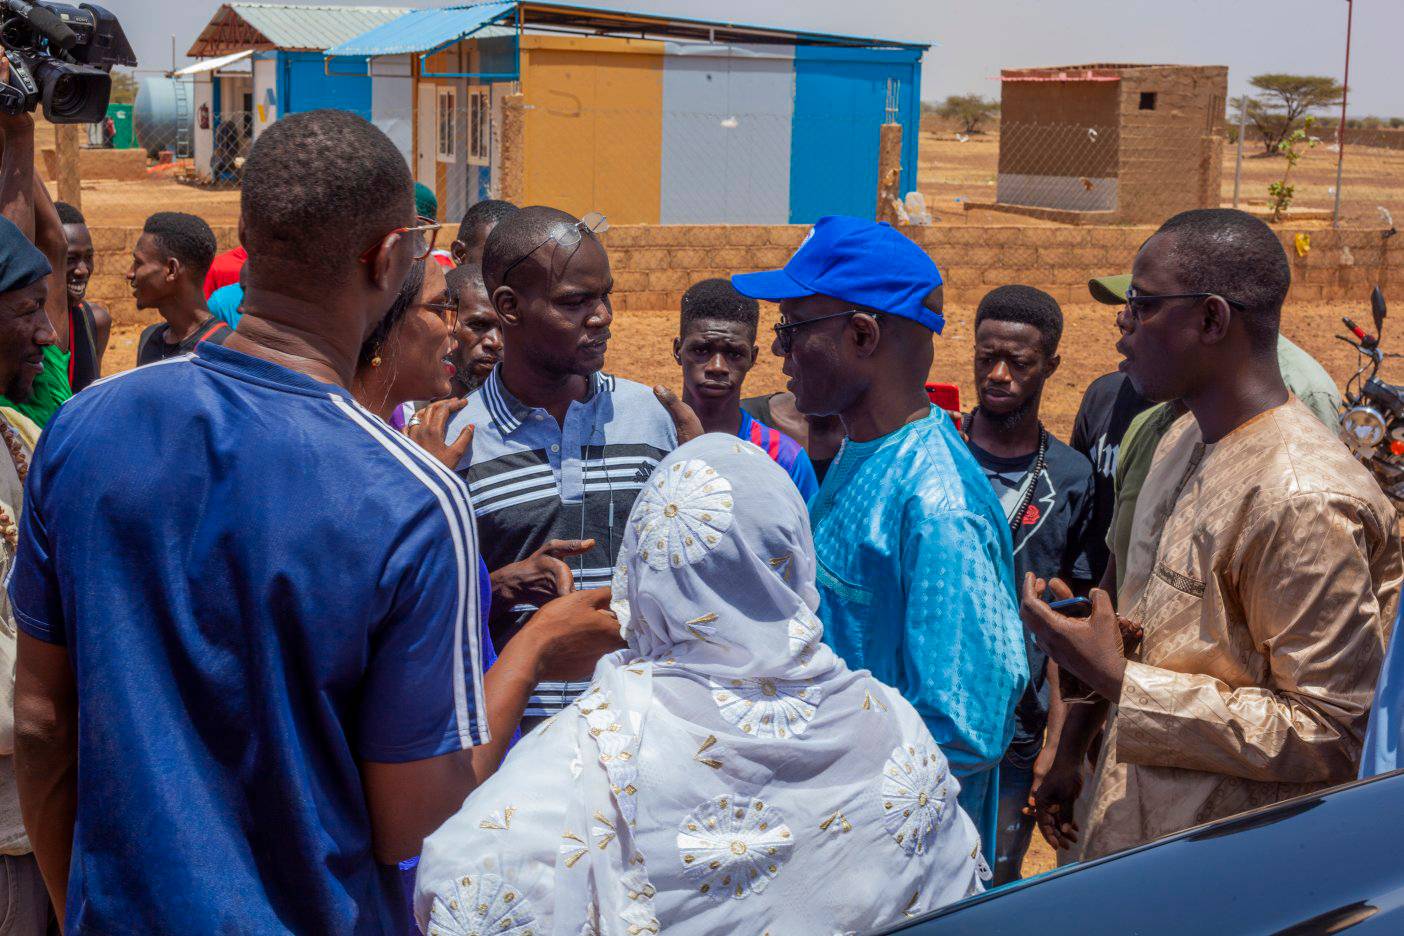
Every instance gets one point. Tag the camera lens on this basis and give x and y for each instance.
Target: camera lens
(73, 93)
(67, 95)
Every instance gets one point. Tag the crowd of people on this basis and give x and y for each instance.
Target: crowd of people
(370, 595)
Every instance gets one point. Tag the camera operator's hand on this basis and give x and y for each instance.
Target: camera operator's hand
(10, 123)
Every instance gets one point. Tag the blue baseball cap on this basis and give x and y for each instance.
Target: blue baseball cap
(864, 262)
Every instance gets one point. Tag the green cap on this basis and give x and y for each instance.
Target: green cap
(1110, 290)
(425, 204)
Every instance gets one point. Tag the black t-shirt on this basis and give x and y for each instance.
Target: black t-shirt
(153, 346)
(83, 364)
(1053, 540)
(1108, 407)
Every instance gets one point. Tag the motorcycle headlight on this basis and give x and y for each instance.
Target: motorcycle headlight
(1362, 429)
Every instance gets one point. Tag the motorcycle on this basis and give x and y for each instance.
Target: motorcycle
(1372, 416)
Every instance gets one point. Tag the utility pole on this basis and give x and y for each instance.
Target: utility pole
(1238, 162)
(1340, 130)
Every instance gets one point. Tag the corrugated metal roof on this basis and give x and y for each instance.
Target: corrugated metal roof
(424, 30)
(238, 26)
(288, 26)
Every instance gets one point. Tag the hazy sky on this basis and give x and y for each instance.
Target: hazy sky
(973, 40)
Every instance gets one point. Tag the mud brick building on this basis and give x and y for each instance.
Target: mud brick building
(1111, 143)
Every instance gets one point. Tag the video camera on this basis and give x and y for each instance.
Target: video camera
(60, 55)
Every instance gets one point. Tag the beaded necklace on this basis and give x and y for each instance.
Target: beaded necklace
(1030, 482)
(8, 527)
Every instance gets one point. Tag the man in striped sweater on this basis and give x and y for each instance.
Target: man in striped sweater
(716, 346)
(560, 449)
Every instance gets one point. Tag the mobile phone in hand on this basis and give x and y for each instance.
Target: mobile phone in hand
(1073, 607)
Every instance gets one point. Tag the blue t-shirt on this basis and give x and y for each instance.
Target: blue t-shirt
(259, 585)
(224, 304)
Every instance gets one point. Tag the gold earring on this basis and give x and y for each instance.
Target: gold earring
(375, 361)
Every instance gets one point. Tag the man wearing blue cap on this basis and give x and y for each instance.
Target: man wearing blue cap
(916, 574)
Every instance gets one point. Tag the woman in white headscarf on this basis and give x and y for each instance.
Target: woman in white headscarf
(726, 773)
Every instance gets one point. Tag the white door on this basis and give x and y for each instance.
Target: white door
(428, 135)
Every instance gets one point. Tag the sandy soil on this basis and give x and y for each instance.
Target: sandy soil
(952, 172)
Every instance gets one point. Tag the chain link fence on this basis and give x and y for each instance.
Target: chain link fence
(1049, 168)
(738, 167)
(1371, 179)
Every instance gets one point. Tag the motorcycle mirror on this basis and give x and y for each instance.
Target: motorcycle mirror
(1377, 309)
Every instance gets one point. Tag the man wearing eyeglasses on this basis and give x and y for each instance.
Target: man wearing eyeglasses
(1263, 569)
(560, 449)
(916, 572)
(1304, 377)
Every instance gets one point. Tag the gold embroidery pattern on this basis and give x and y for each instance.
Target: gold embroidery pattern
(732, 846)
(617, 747)
(838, 822)
(703, 628)
(482, 903)
(805, 631)
(767, 708)
(499, 822)
(706, 746)
(682, 516)
(914, 795)
(871, 702)
(573, 848)
(604, 833)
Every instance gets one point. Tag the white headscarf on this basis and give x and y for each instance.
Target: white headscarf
(727, 772)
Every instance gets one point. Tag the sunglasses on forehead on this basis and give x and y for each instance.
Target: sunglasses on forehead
(593, 223)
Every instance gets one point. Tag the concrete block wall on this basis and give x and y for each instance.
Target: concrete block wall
(654, 264)
(1167, 155)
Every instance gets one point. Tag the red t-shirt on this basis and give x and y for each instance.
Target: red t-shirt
(225, 269)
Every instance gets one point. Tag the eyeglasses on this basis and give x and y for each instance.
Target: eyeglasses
(447, 310)
(1139, 303)
(421, 245)
(592, 223)
(784, 331)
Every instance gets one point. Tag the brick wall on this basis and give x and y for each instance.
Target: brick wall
(654, 264)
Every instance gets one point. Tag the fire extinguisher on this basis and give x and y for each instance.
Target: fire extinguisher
(204, 116)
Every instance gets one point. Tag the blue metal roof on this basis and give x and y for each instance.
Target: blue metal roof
(425, 30)
(422, 31)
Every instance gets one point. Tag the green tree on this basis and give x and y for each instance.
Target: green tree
(1280, 192)
(1284, 101)
(124, 87)
(969, 110)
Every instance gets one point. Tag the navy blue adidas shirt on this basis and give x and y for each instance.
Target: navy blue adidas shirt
(259, 584)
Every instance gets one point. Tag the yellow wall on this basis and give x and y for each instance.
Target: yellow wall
(594, 125)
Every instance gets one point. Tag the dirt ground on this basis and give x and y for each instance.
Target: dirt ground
(950, 174)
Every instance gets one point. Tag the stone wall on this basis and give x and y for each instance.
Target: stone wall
(654, 264)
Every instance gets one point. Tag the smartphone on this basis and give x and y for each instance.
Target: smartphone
(1073, 607)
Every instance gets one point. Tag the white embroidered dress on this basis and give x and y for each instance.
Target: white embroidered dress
(726, 773)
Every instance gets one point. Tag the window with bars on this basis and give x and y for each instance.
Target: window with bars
(448, 138)
(479, 126)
